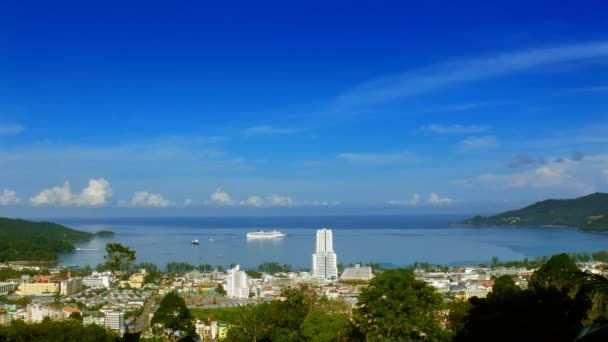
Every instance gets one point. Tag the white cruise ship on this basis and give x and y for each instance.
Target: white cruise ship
(260, 234)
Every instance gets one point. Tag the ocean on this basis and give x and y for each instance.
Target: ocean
(393, 241)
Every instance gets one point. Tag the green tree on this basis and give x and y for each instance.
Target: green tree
(219, 289)
(396, 307)
(118, 257)
(504, 287)
(173, 316)
(494, 261)
(559, 271)
(325, 327)
(458, 311)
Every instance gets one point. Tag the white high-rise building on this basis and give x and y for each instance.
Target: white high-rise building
(236, 283)
(325, 261)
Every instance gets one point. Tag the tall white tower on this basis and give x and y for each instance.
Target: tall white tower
(325, 261)
(236, 283)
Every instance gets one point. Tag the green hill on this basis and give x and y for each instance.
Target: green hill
(36, 241)
(586, 213)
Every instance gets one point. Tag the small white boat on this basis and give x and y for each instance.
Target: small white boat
(260, 234)
(195, 242)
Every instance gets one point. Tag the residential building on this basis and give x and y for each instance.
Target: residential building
(36, 313)
(325, 261)
(97, 280)
(6, 288)
(88, 320)
(33, 289)
(236, 283)
(115, 321)
(70, 286)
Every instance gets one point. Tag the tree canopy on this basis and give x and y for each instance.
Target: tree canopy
(118, 257)
(396, 307)
(173, 316)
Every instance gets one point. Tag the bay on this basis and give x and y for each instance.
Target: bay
(390, 240)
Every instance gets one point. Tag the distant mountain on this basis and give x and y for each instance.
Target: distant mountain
(24, 240)
(586, 213)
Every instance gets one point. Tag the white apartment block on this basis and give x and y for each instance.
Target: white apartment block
(236, 283)
(97, 280)
(115, 321)
(324, 260)
(36, 313)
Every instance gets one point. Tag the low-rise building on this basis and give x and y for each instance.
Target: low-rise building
(37, 313)
(357, 273)
(97, 280)
(6, 288)
(33, 289)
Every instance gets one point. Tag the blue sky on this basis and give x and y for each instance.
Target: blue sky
(154, 108)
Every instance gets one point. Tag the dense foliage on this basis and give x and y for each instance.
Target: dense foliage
(173, 316)
(301, 316)
(273, 267)
(587, 213)
(397, 307)
(560, 299)
(52, 331)
(179, 267)
(36, 241)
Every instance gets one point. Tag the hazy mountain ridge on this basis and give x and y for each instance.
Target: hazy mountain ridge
(36, 241)
(586, 213)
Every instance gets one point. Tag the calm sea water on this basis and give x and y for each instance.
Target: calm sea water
(391, 240)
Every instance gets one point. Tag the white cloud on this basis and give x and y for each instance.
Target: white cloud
(270, 130)
(365, 158)
(566, 174)
(453, 129)
(437, 200)
(414, 201)
(142, 199)
(221, 197)
(411, 83)
(253, 201)
(280, 201)
(478, 143)
(95, 194)
(11, 129)
(9, 197)
(188, 202)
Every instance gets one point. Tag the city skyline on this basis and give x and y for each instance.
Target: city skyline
(280, 109)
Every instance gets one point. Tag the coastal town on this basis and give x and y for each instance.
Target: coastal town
(127, 304)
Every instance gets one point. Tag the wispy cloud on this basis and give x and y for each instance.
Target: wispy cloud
(436, 200)
(583, 176)
(453, 129)
(414, 201)
(433, 77)
(524, 159)
(271, 130)
(478, 143)
(370, 158)
(144, 199)
(469, 106)
(10, 129)
(253, 201)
